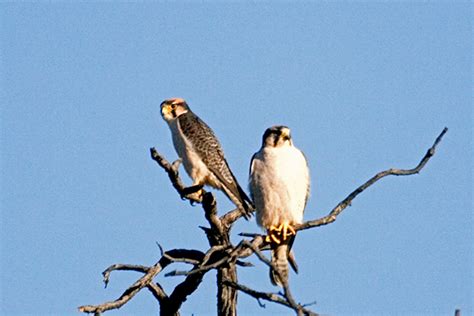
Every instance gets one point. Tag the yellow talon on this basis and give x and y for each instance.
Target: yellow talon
(280, 233)
(273, 235)
(284, 231)
(275, 239)
(200, 193)
(288, 231)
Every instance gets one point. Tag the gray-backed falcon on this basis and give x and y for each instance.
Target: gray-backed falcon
(201, 152)
(279, 186)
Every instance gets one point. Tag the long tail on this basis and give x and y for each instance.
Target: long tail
(280, 262)
(241, 200)
(247, 204)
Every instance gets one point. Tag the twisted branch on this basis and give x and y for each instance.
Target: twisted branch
(331, 217)
(222, 255)
(144, 281)
(286, 296)
(173, 174)
(271, 297)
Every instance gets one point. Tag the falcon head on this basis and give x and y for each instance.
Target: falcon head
(172, 108)
(277, 136)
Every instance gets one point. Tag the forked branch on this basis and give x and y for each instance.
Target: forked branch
(222, 255)
(147, 280)
(331, 217)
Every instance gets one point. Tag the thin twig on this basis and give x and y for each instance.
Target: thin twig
(224, 260)
(157, 291)
(144, 281)
(223, 255)
(242, 250)
(126, 296)
(123, 267)
(230, 217)
(331, 217)
(271, 297)
(173, 174)
(286, 288)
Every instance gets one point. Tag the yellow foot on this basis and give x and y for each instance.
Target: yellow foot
(279, 234)
(273, 236)
(195, 192)
(200, 193)
(196, 196)
(287, 231)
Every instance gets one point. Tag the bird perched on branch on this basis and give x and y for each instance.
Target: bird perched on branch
(279, 186)
(201, 152)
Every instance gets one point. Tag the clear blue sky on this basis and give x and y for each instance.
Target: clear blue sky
(364, 87)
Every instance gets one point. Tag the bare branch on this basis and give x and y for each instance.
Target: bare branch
(157, 291)
(287, 296)
(173, 174)
(230, 217)
(244, 263)
(144, 281)
(181, 259)
(242, 250)
(226, 295)
(210, 210)
(181, 292)
(271, 297)
(211, 252)
(210, 264)
(123, 267)
(207, 199)
(249, 235)
(127, 295)
(331, 217)
(222, 255)
(246, 248)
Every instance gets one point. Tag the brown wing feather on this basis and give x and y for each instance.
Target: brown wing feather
(206, 145)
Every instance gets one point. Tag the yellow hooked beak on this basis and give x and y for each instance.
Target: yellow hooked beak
(166, 109)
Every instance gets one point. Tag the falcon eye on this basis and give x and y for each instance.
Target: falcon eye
(173, 106)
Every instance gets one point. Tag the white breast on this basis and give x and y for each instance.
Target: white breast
(192, 162)
(279, 182)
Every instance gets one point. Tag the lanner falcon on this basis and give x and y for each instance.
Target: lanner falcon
(279, 186)
(201, 152)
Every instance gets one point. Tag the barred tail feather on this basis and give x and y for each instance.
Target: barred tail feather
(280, 262)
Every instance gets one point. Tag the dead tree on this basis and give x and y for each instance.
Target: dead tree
(222, 255)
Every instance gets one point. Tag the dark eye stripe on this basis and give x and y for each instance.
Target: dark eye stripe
(275, 141)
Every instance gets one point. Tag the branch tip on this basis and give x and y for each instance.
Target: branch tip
(223, 255)
(161, 248)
